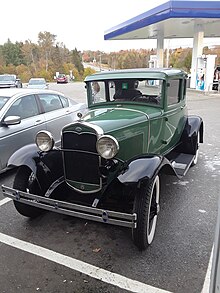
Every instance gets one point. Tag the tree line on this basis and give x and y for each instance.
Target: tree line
(27, 59)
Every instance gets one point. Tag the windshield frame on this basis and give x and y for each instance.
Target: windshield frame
(104, 91)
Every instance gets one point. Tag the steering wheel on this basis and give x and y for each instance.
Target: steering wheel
(148, 99)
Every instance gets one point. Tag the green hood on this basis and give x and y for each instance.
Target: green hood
(130, 126)
(110, 119)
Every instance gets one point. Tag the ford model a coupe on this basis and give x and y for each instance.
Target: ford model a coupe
(108, 166)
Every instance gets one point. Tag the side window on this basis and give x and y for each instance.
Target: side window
(50, 102)
(64, 101)
(111, 86)
(24, 107)
(173, 92)
(98, 92)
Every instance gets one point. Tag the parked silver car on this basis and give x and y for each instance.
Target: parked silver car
(9, 81)
(37, 83)
(24, 112)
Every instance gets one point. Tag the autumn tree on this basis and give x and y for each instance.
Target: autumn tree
(57, 59)
(31, 55)
(46, 41)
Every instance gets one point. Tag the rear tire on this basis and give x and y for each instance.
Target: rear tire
(146, 206)
(25, 181)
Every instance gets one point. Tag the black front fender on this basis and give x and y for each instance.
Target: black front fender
(47, 166)
(25, 156)
(139, 168)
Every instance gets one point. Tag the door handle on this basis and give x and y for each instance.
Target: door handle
(38, 121)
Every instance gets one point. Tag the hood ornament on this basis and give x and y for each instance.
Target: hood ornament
(79, 115)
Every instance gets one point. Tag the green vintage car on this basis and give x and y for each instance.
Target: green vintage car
(108, 166)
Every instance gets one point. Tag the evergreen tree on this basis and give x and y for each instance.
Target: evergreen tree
(76, 60)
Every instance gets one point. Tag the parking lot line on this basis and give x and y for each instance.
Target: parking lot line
(206, 285)
(4, 201)
(80, 266)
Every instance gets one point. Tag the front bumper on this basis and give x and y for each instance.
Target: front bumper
(70, 209)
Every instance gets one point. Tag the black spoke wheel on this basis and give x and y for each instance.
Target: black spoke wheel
(146, 206)
(25, 181)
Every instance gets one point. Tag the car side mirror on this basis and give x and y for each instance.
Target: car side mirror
(168, 84)
(11, 120)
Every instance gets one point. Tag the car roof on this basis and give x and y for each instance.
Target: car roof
(157, 73)
(7, 74)
(37, 78)
(22, 91)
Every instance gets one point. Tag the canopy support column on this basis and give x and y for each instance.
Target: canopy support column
(197, 52)
(160, 50)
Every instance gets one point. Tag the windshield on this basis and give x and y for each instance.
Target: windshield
(37, 81)
(3, 101)
(7, 78)
(132, 90)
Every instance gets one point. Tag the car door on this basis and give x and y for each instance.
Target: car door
(13, 137)
(57, 113)
(175, 113)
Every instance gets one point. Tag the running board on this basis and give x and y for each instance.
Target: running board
(182, 163)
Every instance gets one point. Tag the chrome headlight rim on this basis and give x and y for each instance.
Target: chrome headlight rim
(44, 141)
(107, 153)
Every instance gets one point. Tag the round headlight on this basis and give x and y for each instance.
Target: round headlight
(107, 146)
(44, 140)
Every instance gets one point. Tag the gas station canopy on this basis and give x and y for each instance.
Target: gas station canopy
(174, 19)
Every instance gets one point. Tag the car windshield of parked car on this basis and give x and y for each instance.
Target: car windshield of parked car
(141, 91)
(36, 81)
(3, 101)
(7, 78)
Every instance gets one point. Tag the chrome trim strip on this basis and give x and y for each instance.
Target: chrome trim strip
(99, 131)
(79, 211)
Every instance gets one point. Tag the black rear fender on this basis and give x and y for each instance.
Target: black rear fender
(188, 143)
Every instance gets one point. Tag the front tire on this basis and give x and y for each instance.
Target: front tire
(146, 206)
(25, 181)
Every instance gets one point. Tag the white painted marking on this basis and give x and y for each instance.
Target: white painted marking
(80, 266)
(4, 201)
(206, 284)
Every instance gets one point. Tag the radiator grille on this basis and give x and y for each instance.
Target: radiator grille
(81, 161)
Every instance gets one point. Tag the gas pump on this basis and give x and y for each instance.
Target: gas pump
(153, 61)
(205, 69)
(201, 72)
(152, 64)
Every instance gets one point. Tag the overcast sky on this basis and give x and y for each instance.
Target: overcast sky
(78, 24)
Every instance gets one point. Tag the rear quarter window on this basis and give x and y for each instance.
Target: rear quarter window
(173, 92)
